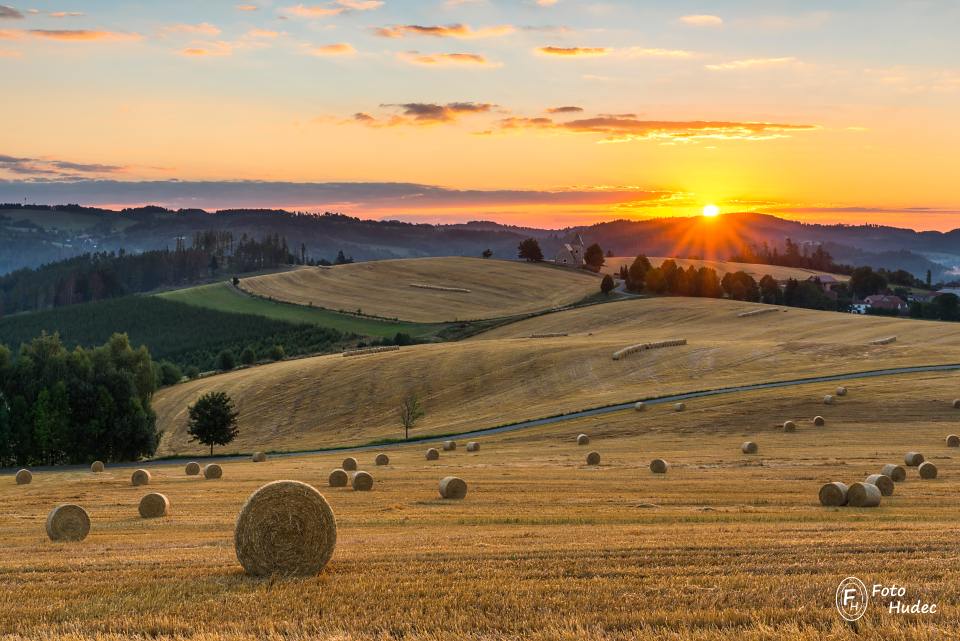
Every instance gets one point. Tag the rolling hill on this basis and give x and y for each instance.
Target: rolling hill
(429, 290)
(502, 376)
(612, 266)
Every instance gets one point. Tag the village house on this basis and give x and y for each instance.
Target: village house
(571, 254)
(887, 302)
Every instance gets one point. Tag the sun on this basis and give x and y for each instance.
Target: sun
(711, 211)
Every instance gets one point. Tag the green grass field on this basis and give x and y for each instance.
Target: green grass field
(223, 297)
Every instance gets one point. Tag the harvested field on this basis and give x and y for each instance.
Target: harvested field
(612, 266)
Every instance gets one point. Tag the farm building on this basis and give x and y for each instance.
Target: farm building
(571, 254)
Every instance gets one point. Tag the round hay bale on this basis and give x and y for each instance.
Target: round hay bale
(841, 391)
(883, 482)
(140, 477)
(96, 467)
(789, 426)
(349, 464)
(913, 459)
(338, 478)
(68, 523)
(212, 471)
(449, 446)
(24, 477)
(154, 505)
(259, 457)
(583, 439)
(192, 469)
(828, 400)
(749, 447)
(362, 481)
(452, 487)
(593, 458)
(640, 406)
(956, 403)
(819, 421)
(896, 472)
(927, 470)
(285, 528)
(433, 454)
(679, 407)
(658, 466)
(953, 441)
(833, 494)
(382, 459)
(473, 446)
(863, 495)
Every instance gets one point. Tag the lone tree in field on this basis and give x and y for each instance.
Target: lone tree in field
(213, 420)
(607, 285)
(593, 257)
(529, 250)
(411, 411)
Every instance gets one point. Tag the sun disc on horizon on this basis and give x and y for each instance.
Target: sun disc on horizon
(711, 211)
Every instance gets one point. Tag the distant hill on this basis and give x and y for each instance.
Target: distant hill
(32, 235)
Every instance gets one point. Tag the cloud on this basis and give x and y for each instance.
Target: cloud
(203, 29)
(66, 14)
(546, 3)
(570, 109)
(573, 52)
(247, 7)
(336, 49)
(334, 8)
(702, 20)
(624, 127)
(641, 52)
(753, 63)
(216, 49)
(262, 33)
(48, 169)
(9, 13)
(423, 113)
(446, 59)
(461, 31)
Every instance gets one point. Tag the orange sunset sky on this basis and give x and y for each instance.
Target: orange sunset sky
(533, 112)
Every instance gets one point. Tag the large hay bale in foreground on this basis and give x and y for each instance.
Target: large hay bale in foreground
(841, 391)
(96, 467)
(349, 464)
(212, 471)
(679, 407)
(433, 454)
(953, 441)
(834, 494)
(883, 482)
(259, 457)
(24, 477)
(913, 459)
(473, 446)
(593, 458)
(140, 477)
(927, 470)
(68, 523)
(828, 400)
(863, 495)
(819, 421)
(285, 528)
(583, 439)
(658, 466)
(452, 487)
(449, 446)
(382, 459)
(749, 447)
(362, 481)
(192, 468)
(640, 406)
(338, 478)
(789, 426)
(154, 505)
(896, 472)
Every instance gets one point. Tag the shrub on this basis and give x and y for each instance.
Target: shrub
(248, 356)
(226, 360)
(277, 353)
(170, 374)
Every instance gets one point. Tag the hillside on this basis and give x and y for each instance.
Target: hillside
(612, 266)
(502, 376)
(413, 290)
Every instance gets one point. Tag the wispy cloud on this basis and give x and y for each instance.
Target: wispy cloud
(445, 59)
(753, 63)
(247, 7)
(217, 48)
(65, 14)
(9, 13)
(204, 29)
(262, 33)
(336, 49)
(84, 35)
(334, 8)
(423, 113)
(51, 169)
(573, 52)
(461, 31)
(568, 109)
(702, 20)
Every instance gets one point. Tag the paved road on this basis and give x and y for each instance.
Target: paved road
(550, 420)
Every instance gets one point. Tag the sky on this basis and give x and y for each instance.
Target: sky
(530, 112)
